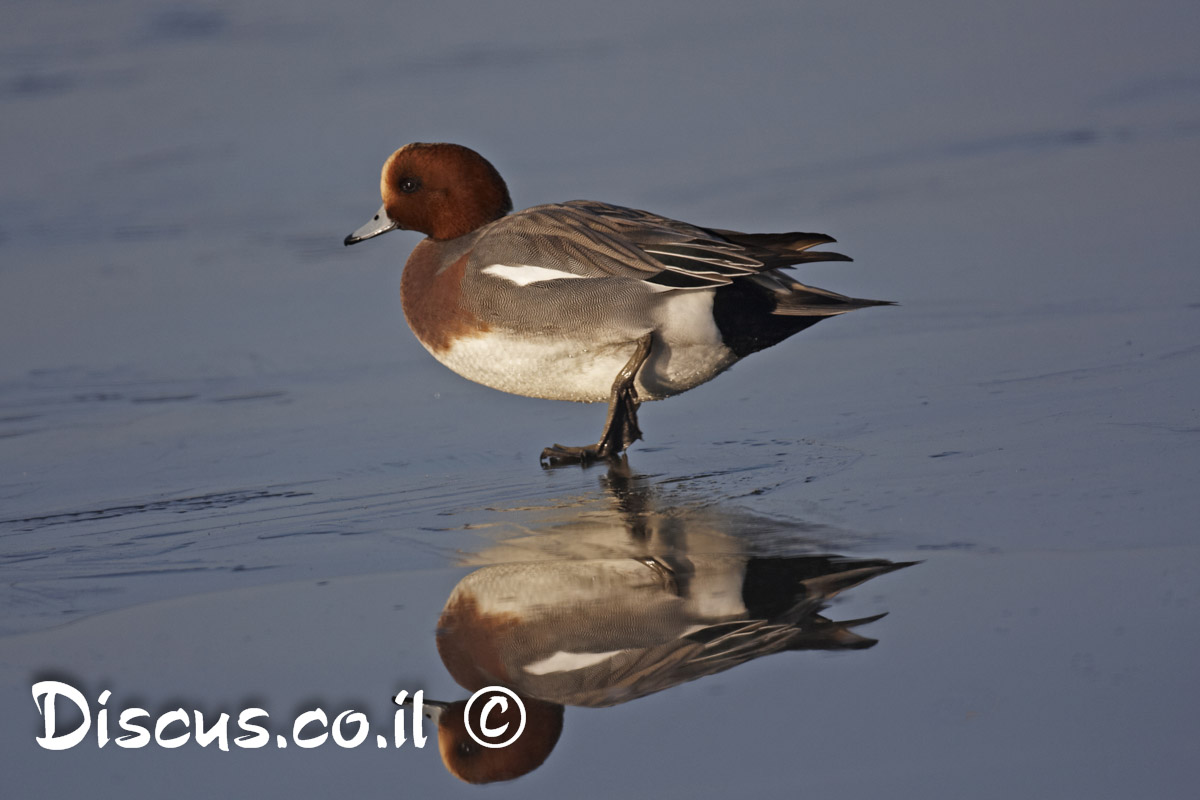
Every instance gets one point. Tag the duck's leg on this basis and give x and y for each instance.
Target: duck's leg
(621, 428)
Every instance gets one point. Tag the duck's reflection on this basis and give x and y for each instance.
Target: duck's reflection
(613, 607)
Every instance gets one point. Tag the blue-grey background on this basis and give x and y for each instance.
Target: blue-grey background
(228, 471)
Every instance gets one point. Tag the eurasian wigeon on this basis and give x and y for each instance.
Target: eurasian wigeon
(623, 596)
(601, 633)
(583, 300)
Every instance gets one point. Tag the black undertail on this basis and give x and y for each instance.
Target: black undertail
(756, 311)
(746, 314)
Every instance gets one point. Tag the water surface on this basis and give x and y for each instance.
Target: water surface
(230, 477)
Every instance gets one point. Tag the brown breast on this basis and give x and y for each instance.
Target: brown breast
(469, 641)
(431, 298)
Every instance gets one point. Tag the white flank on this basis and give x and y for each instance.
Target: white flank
(523, 274)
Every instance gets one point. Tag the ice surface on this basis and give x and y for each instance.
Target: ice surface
(228, 471)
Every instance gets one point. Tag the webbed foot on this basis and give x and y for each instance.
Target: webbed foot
(620, 429)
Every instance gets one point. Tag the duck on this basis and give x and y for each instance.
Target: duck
(601, 633)
(585, 301)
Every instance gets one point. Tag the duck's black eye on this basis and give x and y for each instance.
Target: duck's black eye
(409, 185)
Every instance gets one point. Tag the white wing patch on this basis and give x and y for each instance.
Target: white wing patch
(523, 274)
(569, 662)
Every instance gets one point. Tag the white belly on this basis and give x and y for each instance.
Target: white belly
(687, 351)
(553, 369)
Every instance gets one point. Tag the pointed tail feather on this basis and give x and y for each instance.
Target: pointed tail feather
(800, 300)
(827, 586)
